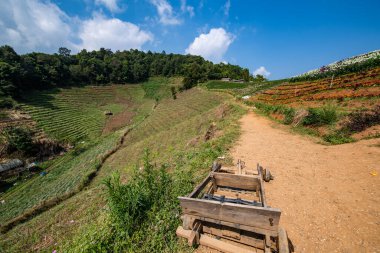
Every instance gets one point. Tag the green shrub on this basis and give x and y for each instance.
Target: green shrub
(18, 139)
(145, 211)
(6, 102)
(338, 137)
(174, 92)
(267, 109)
(3, 115)
(325, 115)
(360, 120)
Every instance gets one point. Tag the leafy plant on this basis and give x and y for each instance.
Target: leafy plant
(174, 92)
(360, 120)
(338, 137)
(19, 139)
(325, 115)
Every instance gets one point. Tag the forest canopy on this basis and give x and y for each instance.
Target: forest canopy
(22, 73)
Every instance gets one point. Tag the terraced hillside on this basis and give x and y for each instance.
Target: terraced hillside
(63, 114)
(356, 85)
(183, 133)
(76, 113)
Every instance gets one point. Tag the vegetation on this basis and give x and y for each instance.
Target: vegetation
(18, 139)
(267, 109)
(342, 68)
(22, 73)
(173, 131)
(225, 85)
(361, 120)
(325, 115)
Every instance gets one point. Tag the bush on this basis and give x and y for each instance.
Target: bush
(174, 92)
(145, 212)
(338, 138)
(360, 120)
(288, 112)
(6, 102)
(18, 139)
(321, 116)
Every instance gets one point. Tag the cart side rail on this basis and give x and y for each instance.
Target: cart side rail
(265, 218)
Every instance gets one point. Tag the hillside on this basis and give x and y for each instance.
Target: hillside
(71, 195)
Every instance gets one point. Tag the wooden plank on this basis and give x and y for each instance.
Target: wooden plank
(230, 194)
(264, 218)
(243, 182)
(262, 193)
(202, 185)
(221, 245)
(244, 238)
(256, 230)
(212, 243)
(283, 243)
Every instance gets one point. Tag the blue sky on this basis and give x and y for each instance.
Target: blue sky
(275, 38)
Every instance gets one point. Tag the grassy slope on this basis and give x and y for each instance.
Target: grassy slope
(70, 172)
(167, 132)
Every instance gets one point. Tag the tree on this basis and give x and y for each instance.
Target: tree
(245, 75)
(62, 51)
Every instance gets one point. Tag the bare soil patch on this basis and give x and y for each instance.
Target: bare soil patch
(118, 121)
(328, 194)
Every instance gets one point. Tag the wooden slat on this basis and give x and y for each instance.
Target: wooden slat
(265, 218)
(243, 182)
(213, 243)
(245, 237)
(201, 186)
(256, 230)
(234, 194)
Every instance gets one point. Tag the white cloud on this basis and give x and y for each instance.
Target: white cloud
(36, 25)
(33, 25)
(212, 45)
(110, 4)
(111, 33)
(165, 12)
(262, 71)
(187, 8)
(227, 7)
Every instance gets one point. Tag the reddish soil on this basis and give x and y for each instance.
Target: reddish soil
(117, 121)
(363, 84)
(328, 196)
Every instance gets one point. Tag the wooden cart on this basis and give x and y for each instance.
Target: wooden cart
(231, 204)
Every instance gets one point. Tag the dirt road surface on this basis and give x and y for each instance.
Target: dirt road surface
(329, 199)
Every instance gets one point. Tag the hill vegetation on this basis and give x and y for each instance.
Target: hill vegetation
(22, 73)
(133, 147)
(174, 130)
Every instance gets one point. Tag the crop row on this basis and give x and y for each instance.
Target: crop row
(330, 94)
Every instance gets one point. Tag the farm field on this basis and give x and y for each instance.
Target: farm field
(356, 85)
(69, 173)
(172, 130)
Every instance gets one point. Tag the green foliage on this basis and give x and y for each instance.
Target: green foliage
(42, 71)
(174, 92)
(325, 115)
(6, 102)
(267, 109)
(225, 85)
(338, 137)
(361, 120)
(18, 139)
(353, 68)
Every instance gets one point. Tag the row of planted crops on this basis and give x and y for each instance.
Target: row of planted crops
(363, 84)
(70, 114)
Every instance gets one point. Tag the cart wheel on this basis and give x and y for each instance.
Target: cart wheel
(283, 244)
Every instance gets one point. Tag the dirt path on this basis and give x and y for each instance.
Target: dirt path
(329, 200)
